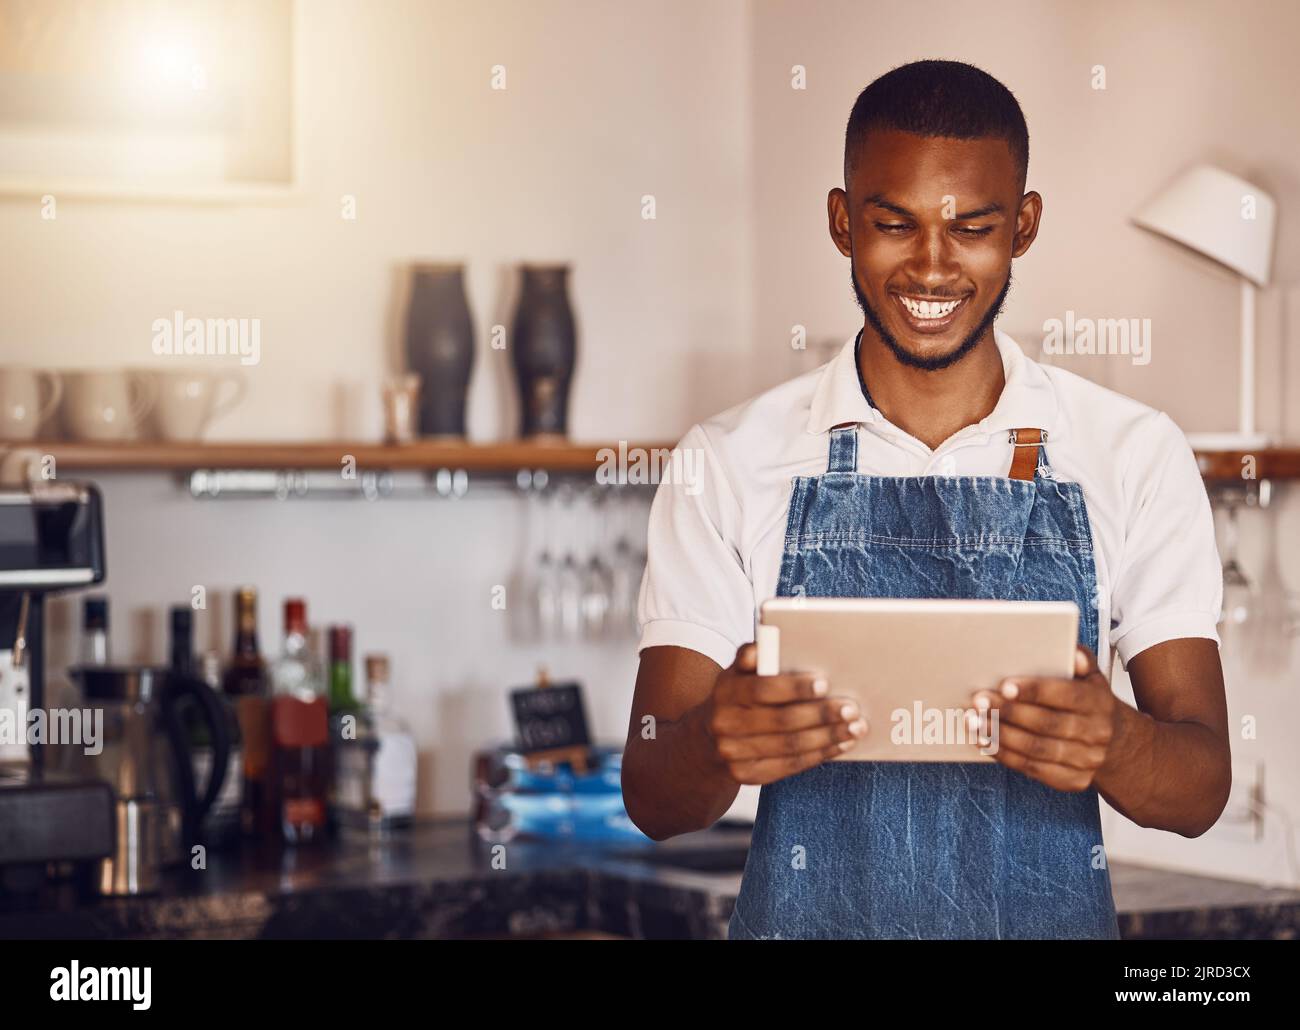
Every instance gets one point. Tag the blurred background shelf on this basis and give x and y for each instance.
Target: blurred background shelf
(562, 456)
(1269, 463)
(510, 456)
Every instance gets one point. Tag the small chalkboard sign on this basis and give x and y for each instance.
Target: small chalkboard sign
(551, 722)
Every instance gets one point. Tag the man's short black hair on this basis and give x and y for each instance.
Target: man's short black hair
(938, 98)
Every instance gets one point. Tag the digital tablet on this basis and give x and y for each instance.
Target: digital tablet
(912, 665)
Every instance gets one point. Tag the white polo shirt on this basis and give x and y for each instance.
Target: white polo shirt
(717, 524)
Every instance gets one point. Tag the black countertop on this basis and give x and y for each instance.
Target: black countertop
(439, 881)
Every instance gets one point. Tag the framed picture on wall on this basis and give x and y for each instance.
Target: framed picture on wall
(149, 99)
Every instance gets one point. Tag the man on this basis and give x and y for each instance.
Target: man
(931, 458)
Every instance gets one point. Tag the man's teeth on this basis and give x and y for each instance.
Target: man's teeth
(929, 309)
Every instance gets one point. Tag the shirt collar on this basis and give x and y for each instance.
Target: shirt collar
(1028, 399)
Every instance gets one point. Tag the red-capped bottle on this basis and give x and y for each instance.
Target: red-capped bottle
(299, 733)
(245, 683)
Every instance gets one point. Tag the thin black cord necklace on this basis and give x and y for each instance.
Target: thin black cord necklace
(857, 367)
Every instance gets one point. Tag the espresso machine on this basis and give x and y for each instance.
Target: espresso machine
(51, 539)
(118, 804)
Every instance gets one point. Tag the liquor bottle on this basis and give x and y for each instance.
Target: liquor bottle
(94, 631)
(222, 825)
(182, 640)
(342, 699)
(299, 733)
(245, 684)
(352, 743)
(182, 665)
(393, 783)
(61, 693)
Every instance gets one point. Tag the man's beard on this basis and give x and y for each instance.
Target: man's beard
(906, 357)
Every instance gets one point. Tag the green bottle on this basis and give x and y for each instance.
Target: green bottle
(341, 698)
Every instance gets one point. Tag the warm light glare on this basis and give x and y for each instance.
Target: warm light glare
(167, 62)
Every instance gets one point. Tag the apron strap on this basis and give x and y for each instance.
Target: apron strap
(844, 448)
(1027, 452)
(1026, 445)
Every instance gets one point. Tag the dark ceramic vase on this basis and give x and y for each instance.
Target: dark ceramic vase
(440, 346)
(544, 348)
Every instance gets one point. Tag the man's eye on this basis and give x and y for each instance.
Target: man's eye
(968, 230)
(890, 226)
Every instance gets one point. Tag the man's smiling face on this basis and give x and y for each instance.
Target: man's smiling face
(931, 225)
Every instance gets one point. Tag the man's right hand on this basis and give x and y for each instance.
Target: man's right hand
(765, 728)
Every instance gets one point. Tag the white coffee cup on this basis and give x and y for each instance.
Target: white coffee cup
(21, 409)
(188, 399)
(106, 405)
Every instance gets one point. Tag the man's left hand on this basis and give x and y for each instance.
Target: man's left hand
(1056, 731)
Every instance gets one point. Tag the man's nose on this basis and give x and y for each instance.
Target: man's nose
(932, 263)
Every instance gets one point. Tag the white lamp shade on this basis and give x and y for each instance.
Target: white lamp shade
(1207, 209)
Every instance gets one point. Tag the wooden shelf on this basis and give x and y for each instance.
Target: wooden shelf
(1268, 463)
(510, 456)
(1278, 463)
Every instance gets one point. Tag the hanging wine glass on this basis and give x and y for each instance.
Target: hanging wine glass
(521, 591)
(596, 575)
(1235, 613)
(1271, 626)
(546, 599)
(638, 510)
(625, 570)
(568, 576)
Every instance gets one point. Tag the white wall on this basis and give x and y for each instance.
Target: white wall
(600, 109)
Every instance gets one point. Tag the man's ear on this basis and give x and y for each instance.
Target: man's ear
(1027, 222)
(837, 217)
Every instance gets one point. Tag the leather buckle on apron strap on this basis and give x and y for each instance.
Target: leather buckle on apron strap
(1024, 459)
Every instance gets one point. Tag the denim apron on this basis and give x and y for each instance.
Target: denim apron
(930, 849)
